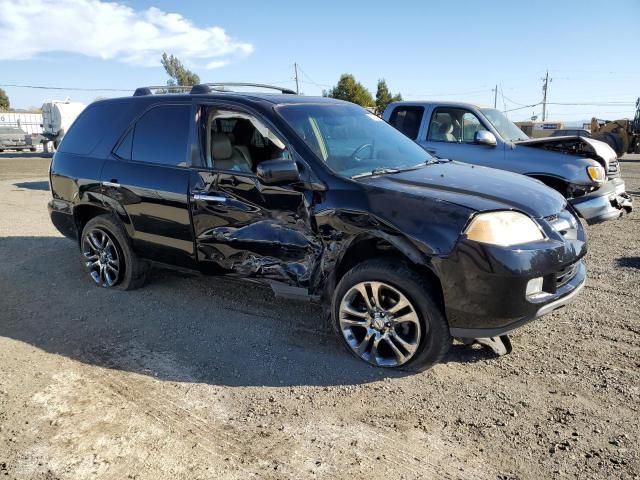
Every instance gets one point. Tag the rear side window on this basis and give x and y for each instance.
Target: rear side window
(407, 120)
(89, 128)
(161, 135)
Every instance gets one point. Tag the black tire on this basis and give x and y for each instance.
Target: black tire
(434, 343)
(32, 149)
(132, 269)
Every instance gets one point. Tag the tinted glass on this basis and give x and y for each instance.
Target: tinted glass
(352, 141)
(88, 129)
(407, 120)
(124, 149)
(161, 135)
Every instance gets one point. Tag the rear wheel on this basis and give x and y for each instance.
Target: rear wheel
(386, 314)
(108, 257)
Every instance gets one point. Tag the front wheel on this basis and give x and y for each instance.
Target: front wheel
(386, 314)
(108, 257)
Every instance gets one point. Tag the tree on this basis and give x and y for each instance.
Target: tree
(4, 101)
(351, 91)
(178, 73)
(384, 97)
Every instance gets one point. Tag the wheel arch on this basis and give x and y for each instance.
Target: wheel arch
(380, 245)
(84, 212)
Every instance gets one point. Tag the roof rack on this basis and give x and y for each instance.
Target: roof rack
(141, 91)
(204, 88)
(220, 87)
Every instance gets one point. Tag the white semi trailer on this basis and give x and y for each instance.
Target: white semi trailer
(57, 117)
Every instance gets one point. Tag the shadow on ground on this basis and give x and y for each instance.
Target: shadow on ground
(6, 154)
(179, 327)
(629, 262)
(33, 185)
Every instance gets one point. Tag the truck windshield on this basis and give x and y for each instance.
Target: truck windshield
(508, 130)
(351, 141)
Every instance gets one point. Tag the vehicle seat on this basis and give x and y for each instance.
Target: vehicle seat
(227, 157)
(445, 132)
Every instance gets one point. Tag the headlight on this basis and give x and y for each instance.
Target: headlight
(503, 228)
(596, 173)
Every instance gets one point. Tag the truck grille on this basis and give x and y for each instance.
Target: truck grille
(614, 168)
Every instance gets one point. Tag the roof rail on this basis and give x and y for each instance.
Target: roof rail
(141, 91)
(220, 87)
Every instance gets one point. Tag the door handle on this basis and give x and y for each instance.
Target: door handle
(209, 198)
(111, 184)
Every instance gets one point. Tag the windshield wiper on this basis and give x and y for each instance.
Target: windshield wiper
(377, 171)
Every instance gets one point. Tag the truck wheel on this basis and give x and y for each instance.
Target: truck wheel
(386, 314)
(108, 257)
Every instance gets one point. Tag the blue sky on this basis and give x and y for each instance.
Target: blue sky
(448, 50)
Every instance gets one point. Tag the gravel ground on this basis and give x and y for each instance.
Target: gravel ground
(198, 378)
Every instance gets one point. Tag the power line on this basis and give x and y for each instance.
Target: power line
(80, 89)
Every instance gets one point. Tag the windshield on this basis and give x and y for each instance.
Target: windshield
(352, 141)
(505, 127)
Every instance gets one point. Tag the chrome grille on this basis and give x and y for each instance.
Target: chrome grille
(614, 168)
(565, 224)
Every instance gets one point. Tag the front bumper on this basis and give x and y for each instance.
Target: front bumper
(484, 287)
(609, 202)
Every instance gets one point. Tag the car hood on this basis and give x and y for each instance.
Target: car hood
(476, 188)
(579, 146)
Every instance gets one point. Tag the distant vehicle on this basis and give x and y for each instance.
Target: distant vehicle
(13, 138)
(320, 199)
(571, 132)
(539, 129)
(622, 135)
(585, 171)
(57, 117)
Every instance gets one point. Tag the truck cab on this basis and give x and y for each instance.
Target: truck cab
(583, 170)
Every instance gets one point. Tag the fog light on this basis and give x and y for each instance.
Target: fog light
(534, 286)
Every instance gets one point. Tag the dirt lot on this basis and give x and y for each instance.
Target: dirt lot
(200, 378)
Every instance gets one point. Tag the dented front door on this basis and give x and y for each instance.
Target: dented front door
(252, 229)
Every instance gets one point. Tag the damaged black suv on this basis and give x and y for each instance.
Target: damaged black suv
(322, 200)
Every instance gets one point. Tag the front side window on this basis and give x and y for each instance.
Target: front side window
(237, 141)
(453, 125)
(161, 135)
(350, 140)
(407, 120)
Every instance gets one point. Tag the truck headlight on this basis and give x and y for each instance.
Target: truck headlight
(596, 173)
(504, 228)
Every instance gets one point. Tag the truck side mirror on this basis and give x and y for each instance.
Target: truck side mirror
(484, 137)
(278, 172)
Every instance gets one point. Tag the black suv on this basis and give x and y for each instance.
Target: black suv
(320, 199)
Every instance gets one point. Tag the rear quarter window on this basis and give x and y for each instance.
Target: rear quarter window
(407, 120)
(89, 128)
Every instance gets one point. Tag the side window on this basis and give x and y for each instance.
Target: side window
(237, 141)
(453, 125)
(86, 131)
(470, 125)
(407, 120)
(161, 135)
(124, 149)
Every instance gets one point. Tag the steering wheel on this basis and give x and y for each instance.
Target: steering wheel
(354, 155)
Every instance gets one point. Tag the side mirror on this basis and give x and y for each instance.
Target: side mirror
(278, 172)
(483, 137)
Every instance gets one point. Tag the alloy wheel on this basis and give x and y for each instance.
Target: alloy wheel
(380, 324)
(101, 257)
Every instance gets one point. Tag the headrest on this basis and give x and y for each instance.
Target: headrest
(221, 146)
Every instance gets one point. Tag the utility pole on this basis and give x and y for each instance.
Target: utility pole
(295, 67)
(545, 87)
(495, 97)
